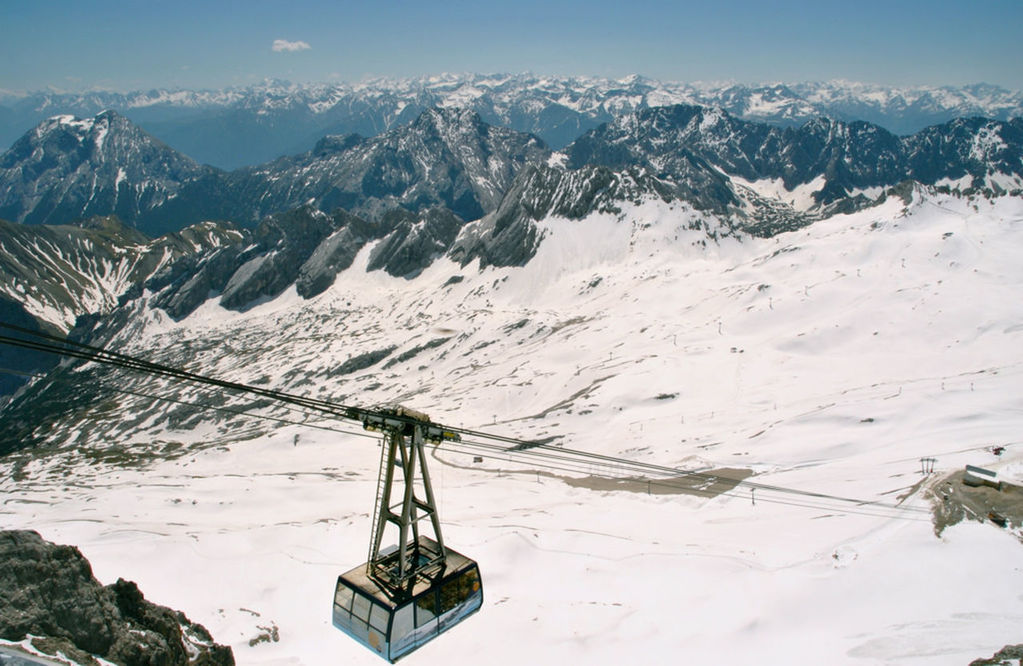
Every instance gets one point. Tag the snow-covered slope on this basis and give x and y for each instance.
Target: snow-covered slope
(50, 276)
(59, 273)
(828, 359)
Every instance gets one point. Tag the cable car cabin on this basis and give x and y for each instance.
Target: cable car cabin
(392, 627)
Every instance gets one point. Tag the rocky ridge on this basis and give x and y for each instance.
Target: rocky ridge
(61, 272)
(446, 157)
(64, 171)
(69, 168)
(687, 144)
(50, 597)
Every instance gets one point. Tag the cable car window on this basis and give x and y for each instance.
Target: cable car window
(360, 608)
(459, 589)
(426, 609)
(378, 617)
(402, 625)
(343, 598)
(471, 579)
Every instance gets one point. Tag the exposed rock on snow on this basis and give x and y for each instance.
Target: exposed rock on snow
(48, 593)
(1003, 657)
(955, 501)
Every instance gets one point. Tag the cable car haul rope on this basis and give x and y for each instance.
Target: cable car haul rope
(542, 454)
(410, 592)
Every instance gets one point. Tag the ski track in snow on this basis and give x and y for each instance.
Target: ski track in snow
(829, 359)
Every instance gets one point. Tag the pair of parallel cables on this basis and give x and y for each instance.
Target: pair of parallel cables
(532, 454)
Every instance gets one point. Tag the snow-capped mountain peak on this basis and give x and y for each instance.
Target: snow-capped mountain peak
(273, 118)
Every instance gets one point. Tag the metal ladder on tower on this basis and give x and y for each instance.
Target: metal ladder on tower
(403, 468)
(380, 499)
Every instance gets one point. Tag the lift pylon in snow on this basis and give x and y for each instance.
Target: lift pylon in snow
(409, 592)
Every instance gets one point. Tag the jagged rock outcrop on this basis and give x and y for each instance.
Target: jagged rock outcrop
(697, 146)
(282, 243)
(1007, 656)
(509, 236)
(446, 157)
(304, 247)
(184, 285)
(47, 591)
(335, 253)
(416, 240)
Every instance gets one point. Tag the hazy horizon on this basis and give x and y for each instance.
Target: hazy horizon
(122, 46)
(374, 79)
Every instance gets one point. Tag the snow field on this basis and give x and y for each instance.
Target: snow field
(829, 359)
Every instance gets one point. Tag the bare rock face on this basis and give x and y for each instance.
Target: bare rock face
(1005, 657)
(48, 591)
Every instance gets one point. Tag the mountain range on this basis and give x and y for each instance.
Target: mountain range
(68, 169)
(826, 314)
(85, 196)
(239, 127)
(445, 184)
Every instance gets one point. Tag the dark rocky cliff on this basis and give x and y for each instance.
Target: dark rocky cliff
(48, 592)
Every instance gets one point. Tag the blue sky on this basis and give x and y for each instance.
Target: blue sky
(144, 44)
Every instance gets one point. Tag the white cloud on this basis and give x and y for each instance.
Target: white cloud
(285, 45)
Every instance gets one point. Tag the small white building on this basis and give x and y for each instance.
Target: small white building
(978, 476)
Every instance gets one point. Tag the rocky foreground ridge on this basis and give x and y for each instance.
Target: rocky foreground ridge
(48, 594)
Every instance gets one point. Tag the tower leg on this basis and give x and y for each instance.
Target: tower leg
(398, 569)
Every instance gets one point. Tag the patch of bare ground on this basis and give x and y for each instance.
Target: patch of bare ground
(705, 484)
(953, 501)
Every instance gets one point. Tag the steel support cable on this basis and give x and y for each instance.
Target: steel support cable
(523, 448)
(493, 451)
(818, 500)
(61, 346)
(566, 463)
(487, 451)
(537, 459)
(82, 351)
(54, 345)
(227, 410)
(240, 412)
(317, 414)
(677, 472)
(674, 472)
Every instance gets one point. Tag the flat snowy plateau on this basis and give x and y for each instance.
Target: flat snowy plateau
(828, 360)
